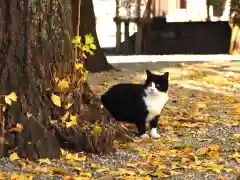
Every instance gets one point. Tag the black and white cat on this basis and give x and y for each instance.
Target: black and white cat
(139, 103)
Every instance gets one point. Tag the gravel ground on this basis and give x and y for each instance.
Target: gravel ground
(219, 133)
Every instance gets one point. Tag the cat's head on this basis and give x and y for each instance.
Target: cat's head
(156, 83)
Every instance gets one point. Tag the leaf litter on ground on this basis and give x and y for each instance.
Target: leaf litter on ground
(200, 129)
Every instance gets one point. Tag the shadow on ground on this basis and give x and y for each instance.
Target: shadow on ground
(202, 114)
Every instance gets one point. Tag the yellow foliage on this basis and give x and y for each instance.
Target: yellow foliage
(68, 105)
(21, 176)
(64, 118)
(96, 130)
(86, 174)
(73, 121)
(75, 157)
(63, 84)
(202, 151)
(58, 171)
(11, 97)
(3, 175)
(14, 156)
(3, 108)
(215, 147)
(77, 169)
(63, 152)
(46, 161)
(79, 66)
(126, 172)
(56, 100)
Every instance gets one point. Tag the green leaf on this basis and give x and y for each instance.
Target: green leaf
(79, 45)
(86, 48)
(84, 55)
(91, 52)
(76, 40)
(93, 46)
(181, 146)
(132, 150)
(89, 39)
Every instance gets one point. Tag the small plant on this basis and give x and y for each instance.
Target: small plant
(87, 47)
(83, 47)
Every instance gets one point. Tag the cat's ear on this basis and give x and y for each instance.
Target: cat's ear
(165, 75)
(148, 73)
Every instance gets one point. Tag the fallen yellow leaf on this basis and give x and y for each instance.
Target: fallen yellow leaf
(46, 160)
(237, 108)
(202, 151)
(59, 171)
(72, 122)
(66, 115)
(235, 155)
(214, 154)
(102, 169)
(63, 152)
(21, 176)
(236, 136)
(126, 172)
(3, 175)
(82, 178)
(187, 149)
(215, 147)
(96, 130)
(14, 156)
(83, 158)
(163, 122)
(86, 174)
(79, 169)
(11, 97)
(94, 166)
(137, 164)
(216, 168)
(39, 170)
(63, 84)
(56, 100)
(68, 178)
(3, 108)
(79, 66)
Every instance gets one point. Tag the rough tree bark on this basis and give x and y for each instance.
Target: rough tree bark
(35, 48)
(235, 39)
(98, 62)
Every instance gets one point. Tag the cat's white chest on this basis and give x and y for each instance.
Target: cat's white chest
(155, 103)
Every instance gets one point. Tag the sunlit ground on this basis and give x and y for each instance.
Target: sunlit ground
(200, 126)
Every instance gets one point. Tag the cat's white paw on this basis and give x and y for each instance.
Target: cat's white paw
(154, 133)
(144, 136)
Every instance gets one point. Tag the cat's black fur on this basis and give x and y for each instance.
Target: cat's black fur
(125, 102)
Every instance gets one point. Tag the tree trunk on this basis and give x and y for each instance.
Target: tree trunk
(235, 22)
(235, 40)
(98, 62)
(35, 50)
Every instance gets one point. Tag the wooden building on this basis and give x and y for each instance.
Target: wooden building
(141, 12)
